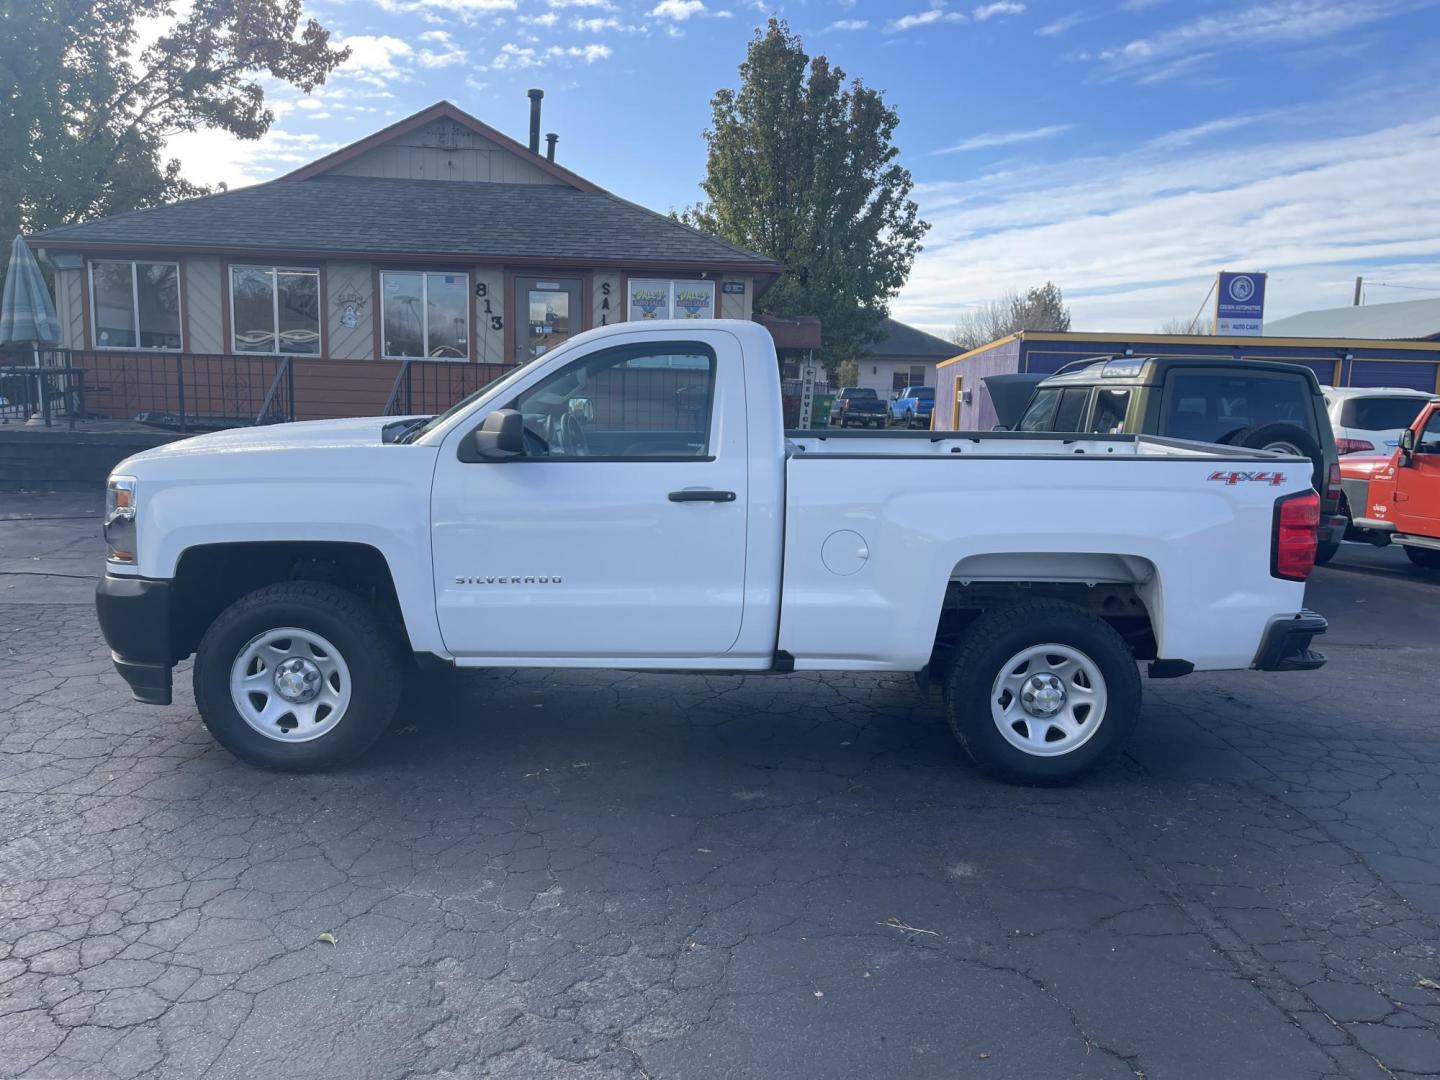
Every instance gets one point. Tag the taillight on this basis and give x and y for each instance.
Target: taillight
(1353, 446)
(1332, 487)
(1292, 550)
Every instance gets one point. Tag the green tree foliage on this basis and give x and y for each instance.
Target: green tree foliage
(802, 169)
(1040, 307)
(86, 102)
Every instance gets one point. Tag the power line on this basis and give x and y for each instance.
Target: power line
(1191, 328)
(1396, 285)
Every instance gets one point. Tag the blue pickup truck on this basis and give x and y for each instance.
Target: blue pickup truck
(913, 406)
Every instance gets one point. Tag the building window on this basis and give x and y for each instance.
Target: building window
(656, 299)
(275, 309)
(135, 305)
(425, 314)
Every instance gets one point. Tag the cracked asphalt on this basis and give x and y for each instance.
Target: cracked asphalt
(579, 874)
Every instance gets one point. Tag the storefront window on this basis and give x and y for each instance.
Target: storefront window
(659, 299)
(425, 314)
(135, 304)
(275, 309)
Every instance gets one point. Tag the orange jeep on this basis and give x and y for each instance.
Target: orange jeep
(1396, 499)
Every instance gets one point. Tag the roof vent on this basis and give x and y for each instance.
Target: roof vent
(550, 140)
(535, 96)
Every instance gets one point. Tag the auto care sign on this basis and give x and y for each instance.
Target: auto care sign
(1240, 304)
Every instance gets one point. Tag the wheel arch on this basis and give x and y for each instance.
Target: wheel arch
(210, 577)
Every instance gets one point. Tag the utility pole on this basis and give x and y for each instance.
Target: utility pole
(1359, 284)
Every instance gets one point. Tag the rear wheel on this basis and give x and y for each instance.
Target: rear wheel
(297, 676)
(1041, 692)
(1428, 558)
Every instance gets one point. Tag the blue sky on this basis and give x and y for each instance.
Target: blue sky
(1126, 149)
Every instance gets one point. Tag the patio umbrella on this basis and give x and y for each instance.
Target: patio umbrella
(27, 314)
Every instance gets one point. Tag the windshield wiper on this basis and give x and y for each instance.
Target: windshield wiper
(409, 431)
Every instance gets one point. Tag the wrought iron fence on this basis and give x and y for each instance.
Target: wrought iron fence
(426, 387)
(44, 392)
(189, 391)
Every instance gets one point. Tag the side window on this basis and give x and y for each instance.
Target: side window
(1071, 412)
(1040, 416)
(630, 402)
(1429, 442)
(1109, 415)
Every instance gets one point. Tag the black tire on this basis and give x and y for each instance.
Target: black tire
(1325, 551)
(1261, 436)
(985, 649)
(368, 649)
(1427, 558)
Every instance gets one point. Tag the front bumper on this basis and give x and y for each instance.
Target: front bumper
(1286, 644)
(134, 616)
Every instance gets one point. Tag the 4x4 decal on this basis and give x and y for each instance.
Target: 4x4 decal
(1274, 479)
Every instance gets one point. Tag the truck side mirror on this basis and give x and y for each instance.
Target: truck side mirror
(501, 436)
(1407, 445)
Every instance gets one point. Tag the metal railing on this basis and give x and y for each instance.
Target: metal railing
(189, 391)
(45, 392)
(426, 387)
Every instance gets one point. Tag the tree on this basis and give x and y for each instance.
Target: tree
(802, 168)
(1198, 325)
(1040, 307)
(86, 105)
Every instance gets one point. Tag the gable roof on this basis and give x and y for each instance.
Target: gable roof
(902, 341)
(369, 217)
(441, 110)
(1404, 319)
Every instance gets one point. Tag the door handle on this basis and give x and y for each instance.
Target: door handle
(701, 495)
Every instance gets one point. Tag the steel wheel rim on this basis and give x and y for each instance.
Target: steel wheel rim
(271, 688)
(1024, 696)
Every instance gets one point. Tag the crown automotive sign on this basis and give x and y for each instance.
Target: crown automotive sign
(1240, 304)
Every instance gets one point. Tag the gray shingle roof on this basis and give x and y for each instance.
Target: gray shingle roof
(354, 214)
(1412, 319)
(902, 341)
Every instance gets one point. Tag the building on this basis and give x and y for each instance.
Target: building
(904, 357)
(436, 239)
(1409, 320)
(963, 403)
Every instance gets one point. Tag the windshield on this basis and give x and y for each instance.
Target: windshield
(1214, 406)
(435, 421)
(1380, 413)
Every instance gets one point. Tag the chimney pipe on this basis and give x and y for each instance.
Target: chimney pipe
(535, 96)
(550, 141)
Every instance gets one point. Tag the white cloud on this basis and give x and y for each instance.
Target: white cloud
(1173, 140)
(992, 139)
(549, 18)
(466, 10)
(597, 24)
(211, 156)
(1135, 238)
(679, 10)
(849, 24)
(1265, 24)
(924, 18)
(445, 53)
(1062, 24)
(603, 5)
(1000, 7)
(518, 57)
(375, 59)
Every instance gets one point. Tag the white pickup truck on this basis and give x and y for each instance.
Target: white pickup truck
(631, 501)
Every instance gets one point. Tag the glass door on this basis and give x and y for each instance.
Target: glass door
(547, 314)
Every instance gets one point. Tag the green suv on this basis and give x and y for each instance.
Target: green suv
(1252, 403)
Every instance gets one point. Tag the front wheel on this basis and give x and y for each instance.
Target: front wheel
(1041, 692)
(1428, 558)
(298, 676)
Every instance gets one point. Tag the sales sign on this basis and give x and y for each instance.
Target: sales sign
(1239, 304)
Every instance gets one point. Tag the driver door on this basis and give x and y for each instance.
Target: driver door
(620, 533)
(1417, 485)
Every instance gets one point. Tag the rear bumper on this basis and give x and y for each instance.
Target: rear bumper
(134, 616)
(1286, 644)
(1332, 529)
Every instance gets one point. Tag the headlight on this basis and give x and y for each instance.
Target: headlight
(120, 519)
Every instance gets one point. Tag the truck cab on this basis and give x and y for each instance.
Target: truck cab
(1396, 499)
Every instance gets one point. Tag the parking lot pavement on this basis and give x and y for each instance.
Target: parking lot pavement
(598, 874)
